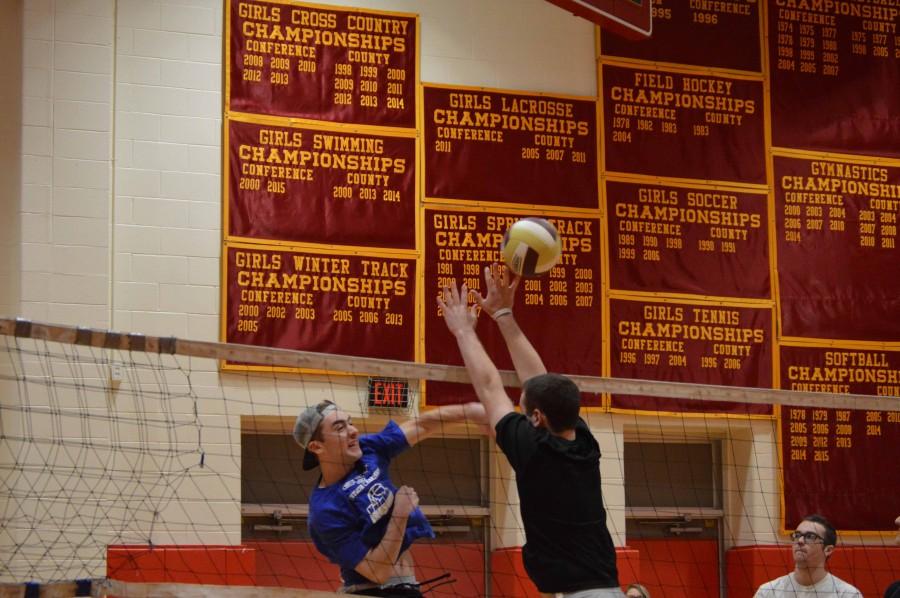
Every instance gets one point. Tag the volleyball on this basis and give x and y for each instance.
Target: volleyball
(531, 246)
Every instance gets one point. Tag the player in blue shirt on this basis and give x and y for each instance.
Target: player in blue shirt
(357, 517)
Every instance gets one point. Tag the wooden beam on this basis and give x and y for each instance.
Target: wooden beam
(268, 356)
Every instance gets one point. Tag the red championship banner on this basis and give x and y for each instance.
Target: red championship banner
(560, 312)
(509, 147)
(352, 66)
(680, 342)
(687, 240)
(687, 126)
(838, 260)
(834, 69)
(350, 304)
(320, 186)
(718, 34)
(830, 457)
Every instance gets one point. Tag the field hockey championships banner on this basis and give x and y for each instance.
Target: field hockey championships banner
(329, 302)
(830, 457)
(351, 66)
(835, 75)
(317, 185)
(687, 240)
(559, 312)
(682, 342)
(510, 147)
(671, 124)
(838, 262)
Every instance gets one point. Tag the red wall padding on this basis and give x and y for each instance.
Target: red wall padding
(679, 568)
(869, 568)
(284, 564)
(669, 568)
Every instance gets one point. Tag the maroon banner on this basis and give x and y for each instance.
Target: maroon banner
(514, 148)
(298, 299)
(687, 240)
(559, 312)
(834, 68)
(837, 249)
(322, 63)
(712, 34)
(688, 126)
(831, 456)
(678, 342)
(320, 186)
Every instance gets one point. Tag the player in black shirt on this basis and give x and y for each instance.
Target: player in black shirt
(568, 550)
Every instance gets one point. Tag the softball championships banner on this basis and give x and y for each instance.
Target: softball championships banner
(828, 454)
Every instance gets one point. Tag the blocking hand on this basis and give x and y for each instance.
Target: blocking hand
(501, 293)
(457, 313)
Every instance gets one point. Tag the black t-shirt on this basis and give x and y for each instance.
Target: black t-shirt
(567, 546)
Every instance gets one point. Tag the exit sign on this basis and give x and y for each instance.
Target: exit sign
(388, 393)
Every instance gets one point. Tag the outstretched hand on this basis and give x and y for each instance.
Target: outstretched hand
(457, 313)
(501, 293)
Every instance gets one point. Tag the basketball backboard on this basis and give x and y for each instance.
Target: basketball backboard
(630, 18)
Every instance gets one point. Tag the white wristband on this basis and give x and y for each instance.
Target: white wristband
(503, 311)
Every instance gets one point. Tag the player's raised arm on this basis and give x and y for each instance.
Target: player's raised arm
(501, 295)
(461, 320)
(428, 422)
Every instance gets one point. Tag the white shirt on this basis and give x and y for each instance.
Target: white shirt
(788, 587)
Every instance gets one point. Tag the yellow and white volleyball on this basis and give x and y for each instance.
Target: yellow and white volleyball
(531, 246)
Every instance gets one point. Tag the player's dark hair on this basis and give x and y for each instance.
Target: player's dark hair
(830, 538)
(557, 397)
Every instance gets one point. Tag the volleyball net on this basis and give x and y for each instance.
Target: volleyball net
(139, 460)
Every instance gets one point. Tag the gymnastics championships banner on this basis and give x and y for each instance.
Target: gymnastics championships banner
(685, 342)
(560, 310)
(323, 301)
(687, 240)
(838, 263)
(834, 76)
(351, 66)
(320, 185)
(510, 147)
(828, 454)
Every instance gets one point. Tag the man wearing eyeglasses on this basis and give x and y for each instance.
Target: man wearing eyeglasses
(357, 517)
(813, 542)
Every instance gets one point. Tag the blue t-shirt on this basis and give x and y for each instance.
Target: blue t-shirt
(350, 517)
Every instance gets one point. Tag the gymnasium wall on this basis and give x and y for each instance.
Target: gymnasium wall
(120, 199)
(118, 219)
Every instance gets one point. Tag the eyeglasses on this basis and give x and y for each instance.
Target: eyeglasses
(808, 537)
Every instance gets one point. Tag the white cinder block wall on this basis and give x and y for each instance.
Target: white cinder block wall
(66, 206)
(168, 114)
(111, 212)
